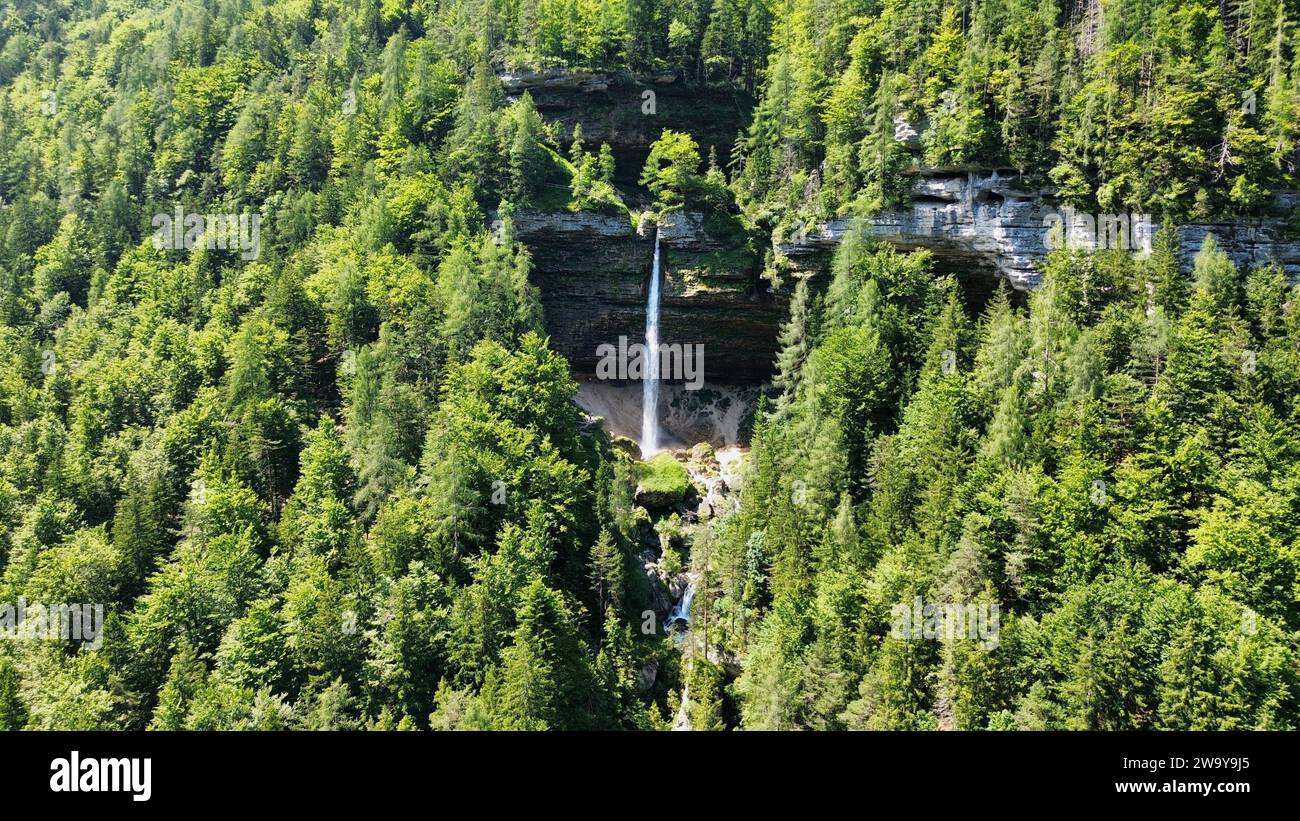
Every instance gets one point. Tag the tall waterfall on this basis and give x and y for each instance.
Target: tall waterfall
(650, 365)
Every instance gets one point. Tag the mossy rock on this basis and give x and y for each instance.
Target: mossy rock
(628, 446)
(661, 483)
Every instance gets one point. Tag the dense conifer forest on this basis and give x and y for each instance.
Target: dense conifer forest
(277, 390)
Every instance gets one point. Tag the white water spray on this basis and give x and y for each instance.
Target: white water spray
(650, 365)
(682, 609)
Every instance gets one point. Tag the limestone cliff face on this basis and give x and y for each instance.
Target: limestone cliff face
(592, 271)
(995, 224)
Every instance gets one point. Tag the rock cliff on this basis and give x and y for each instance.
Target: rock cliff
(592, 271)
(996, 224)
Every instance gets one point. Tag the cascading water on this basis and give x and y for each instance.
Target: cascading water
(681, 612)
(682, 609)
(650, 364)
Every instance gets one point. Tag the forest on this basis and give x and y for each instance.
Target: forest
(277, 391)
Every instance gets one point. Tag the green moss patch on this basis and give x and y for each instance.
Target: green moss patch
(661, 482)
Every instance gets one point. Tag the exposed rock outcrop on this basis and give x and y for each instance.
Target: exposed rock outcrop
(997, 223)
(645, 677)
(717, 414)
(553, 79)
(592, 271)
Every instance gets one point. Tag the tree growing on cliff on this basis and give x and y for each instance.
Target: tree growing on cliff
(671, 172)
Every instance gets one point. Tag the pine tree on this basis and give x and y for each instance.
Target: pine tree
(607, 572)
(794, 349)
(605, 164)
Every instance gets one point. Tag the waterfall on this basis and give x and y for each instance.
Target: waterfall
(682, 609)
(650, 364)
